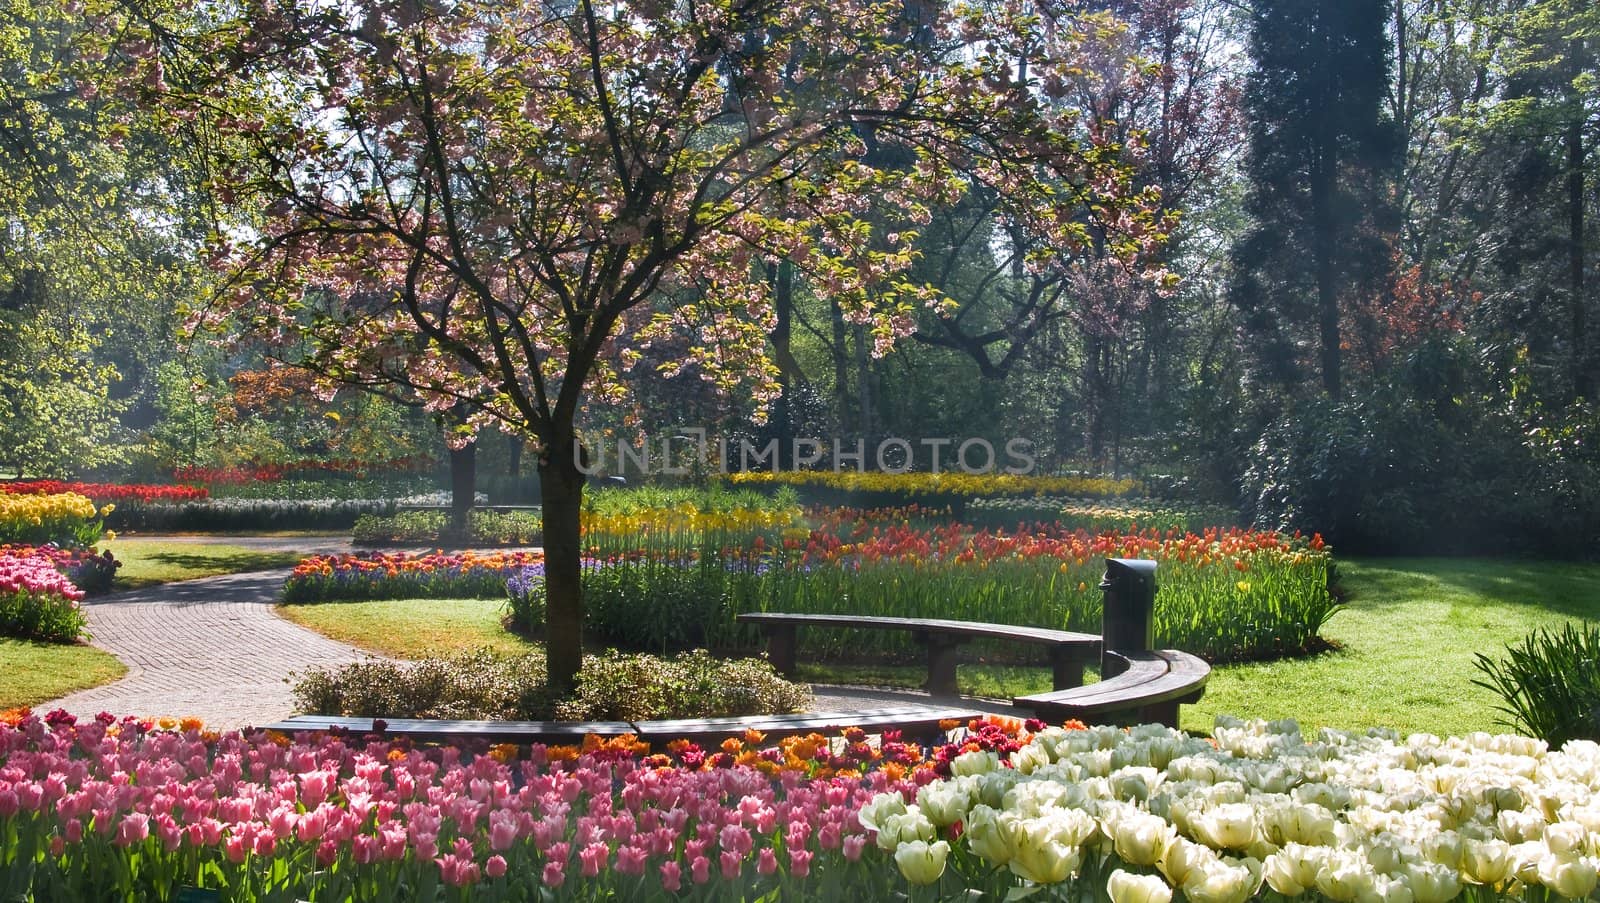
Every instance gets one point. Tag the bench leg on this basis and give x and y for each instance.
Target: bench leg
(941, 665)
(780, 648)
(1064, 672)
(1160, 713)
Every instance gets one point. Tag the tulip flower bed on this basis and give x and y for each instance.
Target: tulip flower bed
(132, 809)
(404, 575)
(1224, 594)
(37, 601)
(1096, 515)
(1141, 815)
(120, 493)
(63, 518)
(89, 570)
(135, 809)
(888, 489)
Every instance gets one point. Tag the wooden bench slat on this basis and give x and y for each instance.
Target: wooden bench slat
(496, 731)
(1154, 685)
(1089, 642)
(1069, 651)
(911, 719)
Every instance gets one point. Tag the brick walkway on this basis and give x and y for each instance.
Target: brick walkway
(211, 648)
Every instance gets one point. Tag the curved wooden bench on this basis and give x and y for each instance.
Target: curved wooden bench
(1152, 685)
(913, 720)
(942, 638)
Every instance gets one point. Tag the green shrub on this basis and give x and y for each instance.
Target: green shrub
(243, 514)
(619, 686)
(482, 684)
(478, 684)
(488, 528)
(1550, 683)
(1098, 515)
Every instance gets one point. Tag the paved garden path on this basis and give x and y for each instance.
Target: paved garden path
(211, 648)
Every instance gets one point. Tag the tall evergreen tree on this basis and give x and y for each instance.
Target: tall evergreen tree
(1321, 152)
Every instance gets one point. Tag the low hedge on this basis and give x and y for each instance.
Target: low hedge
(611, 686)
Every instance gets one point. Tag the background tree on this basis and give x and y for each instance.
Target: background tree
(486, 199)
(1321, 152)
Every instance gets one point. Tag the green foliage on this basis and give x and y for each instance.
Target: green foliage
(484, 528)
(484, 685)
(41, 616)
(248, 514)
(473, 685)
(618, 686)
(1549, 684)
(57, 416)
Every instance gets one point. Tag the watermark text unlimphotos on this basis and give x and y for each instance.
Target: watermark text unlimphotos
(676, 453)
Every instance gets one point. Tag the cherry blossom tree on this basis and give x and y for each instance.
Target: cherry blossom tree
(498, 206)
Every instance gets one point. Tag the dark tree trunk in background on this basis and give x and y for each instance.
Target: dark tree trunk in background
(561, 497)
(463, 487)
(1324, 247)
(841, 368)
(1581, 378)
(515, 445)
(782, 276)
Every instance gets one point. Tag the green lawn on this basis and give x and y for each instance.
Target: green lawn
(1407, 638)
(32, 672)
(147, 562)
(411, 628)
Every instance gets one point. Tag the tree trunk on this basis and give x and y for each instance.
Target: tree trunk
(841, 368)
(1575, 229)
(1326, 251)
(561, 495)
(782, 276)
(514, 464)
(463, 487)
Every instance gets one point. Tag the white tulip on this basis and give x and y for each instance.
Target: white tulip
(1226, 827)
(1293, 870)
(1141, 839)
(1184, 857)
(1487, 862)
(1223, 881)
(1565, 837)
(1123, 887)
(1568, 874)
(977, 761)
(1030, 758)
(1040, 856)
(871, 815)
(921, 862)
(990, 834)
(944, 802)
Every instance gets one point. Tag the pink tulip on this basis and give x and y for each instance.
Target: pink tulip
(553, 876)
(593, 857)
(731, 864)
(133, 829)
(671, 876)
(700, 869)
(630, 860)
(767, 861)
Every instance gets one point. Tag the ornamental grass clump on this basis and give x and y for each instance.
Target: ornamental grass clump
(1549, 683)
